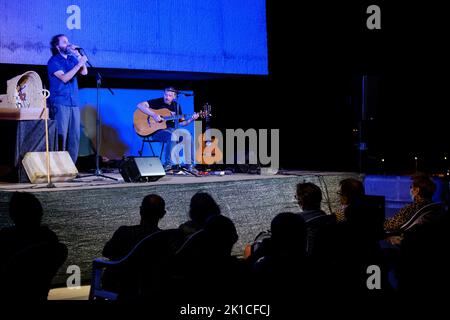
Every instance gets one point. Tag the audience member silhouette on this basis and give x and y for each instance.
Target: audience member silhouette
(350, 191)
(353, 245)
(348, 247)
(309, 197)
(222, 235)
(359, 225)
(124, 239)
(202, 207)
(424, 259)
(286, 267)
(204, 265)
(31, 253)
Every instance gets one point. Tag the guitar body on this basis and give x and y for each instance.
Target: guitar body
(144, 125)
(210, 153)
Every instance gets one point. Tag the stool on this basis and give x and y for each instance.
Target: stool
(149, 140)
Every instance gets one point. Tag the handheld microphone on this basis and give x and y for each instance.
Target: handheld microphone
(74, 47)
(80, 51)
(77, 49)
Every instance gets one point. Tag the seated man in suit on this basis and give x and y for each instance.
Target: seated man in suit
(126, 237)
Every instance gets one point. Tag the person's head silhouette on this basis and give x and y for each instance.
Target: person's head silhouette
(202, 207)
(309, 196)
(25, 210)
(222, 233)
(289, 233)
(152, 209)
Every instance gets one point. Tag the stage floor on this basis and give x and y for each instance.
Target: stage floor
(86, 212)
(92, 182)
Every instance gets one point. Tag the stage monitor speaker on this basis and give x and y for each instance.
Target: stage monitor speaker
(62, 167)
(142, 169)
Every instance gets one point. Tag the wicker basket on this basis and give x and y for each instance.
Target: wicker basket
(25, 99)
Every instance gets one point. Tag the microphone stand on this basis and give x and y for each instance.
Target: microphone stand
(98, 172)
(50, 184)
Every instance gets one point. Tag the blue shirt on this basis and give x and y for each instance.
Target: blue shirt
(60, 92)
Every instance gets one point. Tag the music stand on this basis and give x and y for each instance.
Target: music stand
(98, 172)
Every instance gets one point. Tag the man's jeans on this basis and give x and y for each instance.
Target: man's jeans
(166, 136)
(68, 122)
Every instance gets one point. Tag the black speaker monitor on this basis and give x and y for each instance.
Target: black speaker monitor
(142, 169)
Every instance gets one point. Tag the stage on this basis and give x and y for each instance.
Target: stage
(85, 213)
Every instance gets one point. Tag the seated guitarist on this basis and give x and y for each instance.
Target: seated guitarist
(168, 101)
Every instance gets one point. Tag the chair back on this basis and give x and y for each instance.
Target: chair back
(145, 268)
(422, 215)
(193, 244)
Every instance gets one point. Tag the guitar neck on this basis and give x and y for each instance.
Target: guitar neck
(168, 118)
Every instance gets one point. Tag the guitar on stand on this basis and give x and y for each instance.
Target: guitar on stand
(208, 152)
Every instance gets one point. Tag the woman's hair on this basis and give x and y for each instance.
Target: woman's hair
(202, 207)
(352, 189)
(426, 185)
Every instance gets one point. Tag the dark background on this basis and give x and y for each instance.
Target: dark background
(318, 54)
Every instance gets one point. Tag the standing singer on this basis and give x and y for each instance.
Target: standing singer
(63, 68)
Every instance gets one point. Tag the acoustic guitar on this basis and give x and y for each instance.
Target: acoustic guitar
(145, 125)
(208, 152)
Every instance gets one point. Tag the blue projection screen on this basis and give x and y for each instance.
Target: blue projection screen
(213, 36)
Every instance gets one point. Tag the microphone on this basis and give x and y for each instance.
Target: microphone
(79, 49)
